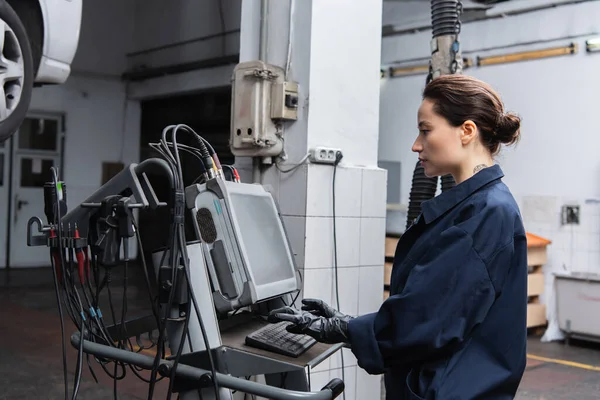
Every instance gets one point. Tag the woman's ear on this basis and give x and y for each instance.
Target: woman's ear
(468, 132)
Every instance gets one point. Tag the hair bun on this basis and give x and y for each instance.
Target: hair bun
(508, 129)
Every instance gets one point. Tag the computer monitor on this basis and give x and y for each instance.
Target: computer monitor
(247, 251)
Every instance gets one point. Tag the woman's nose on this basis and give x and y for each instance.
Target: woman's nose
(417, 147)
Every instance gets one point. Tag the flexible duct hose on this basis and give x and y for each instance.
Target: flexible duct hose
(445, 20)
(423, 188)
(447, 182)
(445, 17)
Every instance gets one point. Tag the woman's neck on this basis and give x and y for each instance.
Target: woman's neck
(471, 168)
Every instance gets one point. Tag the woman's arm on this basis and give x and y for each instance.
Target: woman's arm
(447, 294)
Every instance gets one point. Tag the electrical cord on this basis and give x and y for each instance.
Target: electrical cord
(295, 166)
(88, 319)
(338, 158)
(56, 287)
(179, 244)
(63, 268)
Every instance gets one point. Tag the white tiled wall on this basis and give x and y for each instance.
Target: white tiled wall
(574, 248)
(360, 195)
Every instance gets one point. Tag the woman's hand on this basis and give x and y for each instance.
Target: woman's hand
(322, 309)
(325, 329)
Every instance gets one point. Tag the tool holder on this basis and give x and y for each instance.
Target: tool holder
(42, 236)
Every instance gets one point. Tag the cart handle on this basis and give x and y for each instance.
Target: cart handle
(330, 391)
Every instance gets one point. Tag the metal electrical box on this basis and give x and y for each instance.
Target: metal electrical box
(261, 99)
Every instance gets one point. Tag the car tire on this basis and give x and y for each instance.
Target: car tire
(15, 52)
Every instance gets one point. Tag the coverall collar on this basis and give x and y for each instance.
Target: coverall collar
(439, 205)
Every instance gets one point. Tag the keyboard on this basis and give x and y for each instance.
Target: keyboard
(275, 338)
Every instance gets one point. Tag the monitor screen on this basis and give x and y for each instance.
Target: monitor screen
(263, 240)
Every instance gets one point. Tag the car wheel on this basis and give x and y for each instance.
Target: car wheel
(16, 72)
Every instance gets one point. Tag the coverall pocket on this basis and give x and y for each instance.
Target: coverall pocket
(412, 385)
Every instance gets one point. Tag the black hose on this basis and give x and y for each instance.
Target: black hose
(448, 182)
(445, 17)
(445, 20)
(423, 188)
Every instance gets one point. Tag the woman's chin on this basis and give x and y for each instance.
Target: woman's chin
(430, 172)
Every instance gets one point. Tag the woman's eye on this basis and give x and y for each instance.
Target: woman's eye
(423, 132)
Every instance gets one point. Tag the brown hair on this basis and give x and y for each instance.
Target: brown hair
(459, 98)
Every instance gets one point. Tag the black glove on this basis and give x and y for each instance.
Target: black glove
(322, 309)
(326, 324)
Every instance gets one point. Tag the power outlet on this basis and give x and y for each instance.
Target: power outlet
(323, 155)
(570, 215)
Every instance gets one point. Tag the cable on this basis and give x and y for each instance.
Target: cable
(88, 319)
(56, 287)
(179, 244)
(338, 158)
(295, 166)
(288, 61)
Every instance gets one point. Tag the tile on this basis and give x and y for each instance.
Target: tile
(563, 239)
(557, 258)
(370, 289)
(318, 283)
(539, 208)
(296, 228)
(588, 222)
(581, 261)
(531, 226)
(292, 191)
(319, 243)
(595, 225)
(372, 241)
(348, 285)
(348, 191)
(319, 379)
(336, 359)
(349, 378)
(590, 209)
(593, 242)
(374, 192)
(320, 191)
(581, 241)
(594, 261)
(348, 241)
(367, 386)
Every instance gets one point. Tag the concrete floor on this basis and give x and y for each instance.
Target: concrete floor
(31, 364)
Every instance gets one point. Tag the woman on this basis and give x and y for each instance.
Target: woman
(454, 326)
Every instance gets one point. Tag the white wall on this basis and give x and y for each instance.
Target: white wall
(98, 129)
(557, 159)
(347, 85)
(100, 125)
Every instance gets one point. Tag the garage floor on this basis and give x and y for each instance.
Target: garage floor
(31, 364)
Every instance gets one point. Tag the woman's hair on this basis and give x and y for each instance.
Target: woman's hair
(459, 98)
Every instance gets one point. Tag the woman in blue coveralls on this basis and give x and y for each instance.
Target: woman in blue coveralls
(454, 326)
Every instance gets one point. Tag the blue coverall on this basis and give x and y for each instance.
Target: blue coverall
(454, 326)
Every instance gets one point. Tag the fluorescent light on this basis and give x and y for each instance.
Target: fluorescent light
(592, 45)
(528, 55)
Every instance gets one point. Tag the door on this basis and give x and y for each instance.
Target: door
(37, 147)
(4, 187)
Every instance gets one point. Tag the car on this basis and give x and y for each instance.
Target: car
(38, 41)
